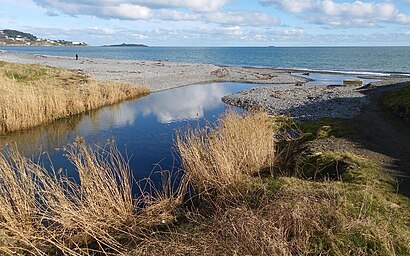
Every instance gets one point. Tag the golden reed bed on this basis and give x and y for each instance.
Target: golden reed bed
(31, 95)
(231, 200)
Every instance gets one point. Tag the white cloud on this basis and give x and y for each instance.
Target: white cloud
(78, 6)
(243, 18)
(233, 31)
(223, 36)
(403, 18)
(198, 5)
(338, 14)
(295, 6)
(103, 31)
(107, 9)
(126, 11)
(140, 36)
(175, 10)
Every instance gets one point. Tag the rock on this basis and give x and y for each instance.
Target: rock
(220, 72)
(352, 82)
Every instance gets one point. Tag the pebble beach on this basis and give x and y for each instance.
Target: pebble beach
(157, 75)
(313, 102)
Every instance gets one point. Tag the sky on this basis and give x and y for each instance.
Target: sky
(213, 22)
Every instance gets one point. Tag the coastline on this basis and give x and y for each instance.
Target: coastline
(158, 75)
(301, 102)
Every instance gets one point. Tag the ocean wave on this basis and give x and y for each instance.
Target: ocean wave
(2, 51)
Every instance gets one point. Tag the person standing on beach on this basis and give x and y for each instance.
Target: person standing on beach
(76, 56)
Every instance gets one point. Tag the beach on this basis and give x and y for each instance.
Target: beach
(301, 102)
(285, 98)
(157, 75)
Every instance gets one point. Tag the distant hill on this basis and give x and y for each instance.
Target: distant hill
(126, 45)
(9, 37)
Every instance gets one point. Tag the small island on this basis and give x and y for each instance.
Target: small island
(126, 45)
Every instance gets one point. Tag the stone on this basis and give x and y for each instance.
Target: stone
(352, 82)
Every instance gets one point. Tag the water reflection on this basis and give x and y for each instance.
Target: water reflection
(43, 138)
(183, 103)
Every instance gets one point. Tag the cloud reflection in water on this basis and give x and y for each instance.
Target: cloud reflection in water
(184, 103)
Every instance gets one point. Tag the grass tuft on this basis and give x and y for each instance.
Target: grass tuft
(399, 101)
(223, 157)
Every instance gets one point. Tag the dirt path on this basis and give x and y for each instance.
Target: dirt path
(378, 130)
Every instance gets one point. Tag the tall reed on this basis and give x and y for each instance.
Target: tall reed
(223, 156)
(32, 95)
(43, 212)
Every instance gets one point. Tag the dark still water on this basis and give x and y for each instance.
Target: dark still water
(143, 129)
(363, 59)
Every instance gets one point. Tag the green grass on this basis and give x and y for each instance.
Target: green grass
(28, 73)
(398, 101)
(324, 128)
(360, 214)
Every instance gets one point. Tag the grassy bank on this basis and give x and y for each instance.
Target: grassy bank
(31, 95)
(310, 202)
(252, 185)
(399, 101)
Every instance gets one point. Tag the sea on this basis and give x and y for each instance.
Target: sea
(379, 60)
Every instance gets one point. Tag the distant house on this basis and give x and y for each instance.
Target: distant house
(78, 43)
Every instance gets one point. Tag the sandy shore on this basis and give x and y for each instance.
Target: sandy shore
(157, 75)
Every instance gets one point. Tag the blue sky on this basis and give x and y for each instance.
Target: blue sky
(213, 22)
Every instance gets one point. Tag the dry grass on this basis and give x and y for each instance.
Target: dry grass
(222, 157)
(299, 217)
(359, 214)
(44, 213)
(32, 95)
